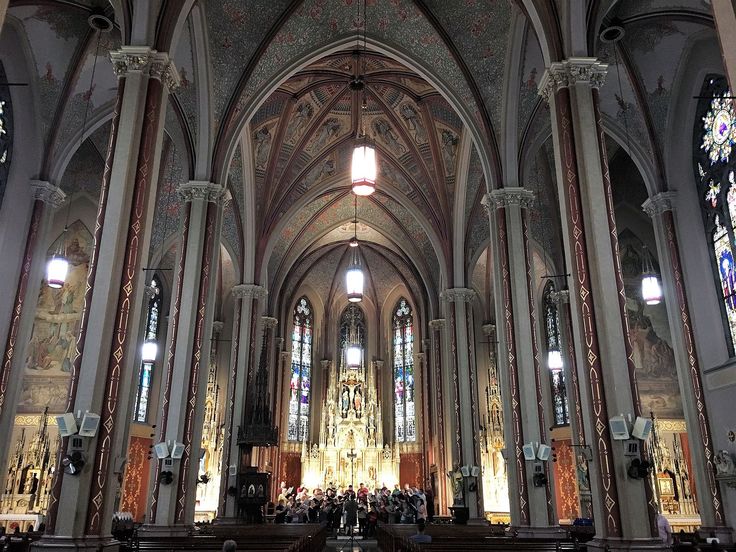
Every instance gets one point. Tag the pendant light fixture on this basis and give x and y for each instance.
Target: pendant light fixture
(554, 360)
(651, 291)
(354, 278)
(57, 269)
(364, 154)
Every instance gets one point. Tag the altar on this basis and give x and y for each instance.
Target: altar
(351, 448)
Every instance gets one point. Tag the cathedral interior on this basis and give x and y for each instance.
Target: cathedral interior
(482, 248)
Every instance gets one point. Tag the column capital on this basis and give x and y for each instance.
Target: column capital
(458, 295)
(512, 196)
(143, 59)
(659, 203)
(563, 74)
(49, 194)
(285, 355)
(150, 291)
(200, 190)
(249, 291)
(378, 364)
(560, 297)
(419, 358)
(217, 327)
(325, 363)
(269, 322)
(437, 324)
(489, 330)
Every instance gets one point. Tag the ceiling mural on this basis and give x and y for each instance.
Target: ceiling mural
(187, 94)
(398, 23)
(84, 171)
(532, 69)
(168, 203)
(231, 230)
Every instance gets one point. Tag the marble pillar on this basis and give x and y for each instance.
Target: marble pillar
(191, 318)
(600, 326)
(81, 506)
(249, 296)
(438, 413)
(660, 209)
(465, 451)
(511, 205)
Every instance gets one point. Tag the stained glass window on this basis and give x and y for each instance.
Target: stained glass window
(145, 372)
(404, 415)
(554, 356)
(6, 132)
(301, 370)
(715, 163)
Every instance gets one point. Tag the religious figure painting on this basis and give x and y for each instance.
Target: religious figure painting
(51, 350)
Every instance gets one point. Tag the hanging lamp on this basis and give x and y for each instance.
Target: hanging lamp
(57, 269)
(651, 291)
(149, 351)
(554, 360)
(364, 167)
(353, 352)
(354, 278)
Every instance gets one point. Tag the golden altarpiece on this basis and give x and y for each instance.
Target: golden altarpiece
(351, 448)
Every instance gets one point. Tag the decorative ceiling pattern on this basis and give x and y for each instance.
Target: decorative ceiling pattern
(187, 94)
(532, 70)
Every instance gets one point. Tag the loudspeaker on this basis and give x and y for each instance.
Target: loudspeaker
(465, 471)
(475, 471)
(619, 428)
(233, 470)
(177, 451)
(543, 452)
(161, 450)
(529, 452)
(67, 424)
(90, 423)
(642, 428)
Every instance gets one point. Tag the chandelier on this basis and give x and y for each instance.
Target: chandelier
(353, 352)
(651, 291)
(354, 278)
(364, 154)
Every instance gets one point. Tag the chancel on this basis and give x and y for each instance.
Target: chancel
(313, 274)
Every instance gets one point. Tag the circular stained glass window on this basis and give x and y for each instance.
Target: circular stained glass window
(719, 126)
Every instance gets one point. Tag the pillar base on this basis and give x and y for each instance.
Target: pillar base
(51, 543)
(626, 545)
(538, 532)
(179, 530)
(723, 533)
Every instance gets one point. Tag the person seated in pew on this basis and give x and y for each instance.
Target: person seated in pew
(420, 536)
(229, 546)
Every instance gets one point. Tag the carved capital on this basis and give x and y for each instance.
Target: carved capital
(489, 330)
(378, 364)
(437, 324)
(419, 358)
(659, 203)
(150, 292)
(564, 74)
(285, 356)
(560, 297)
(145, 60)
(269, 322)
(51, 195)
(458, 295)
(202, 191)
(325, 363)
(217, 327)
(249, 291)
(512, 196)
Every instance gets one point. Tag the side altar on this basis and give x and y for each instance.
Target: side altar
(351, 448)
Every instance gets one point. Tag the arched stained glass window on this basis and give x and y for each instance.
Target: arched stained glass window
(404, 415)
(715, 163)
(554, 356)
(6, 132)
(301, 370)
(145, 373)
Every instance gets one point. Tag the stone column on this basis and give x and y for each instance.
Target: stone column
(249, 295)
(435, 330)
(46, 199)
(420, 408)
(269, 324)
(511, 205)
(710, 502)
(80, 508)
(572, 387)
(465, 422)
(192, 312)
(600, 327)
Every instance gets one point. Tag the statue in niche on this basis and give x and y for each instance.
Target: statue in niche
(357, 401)
(345, 401)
